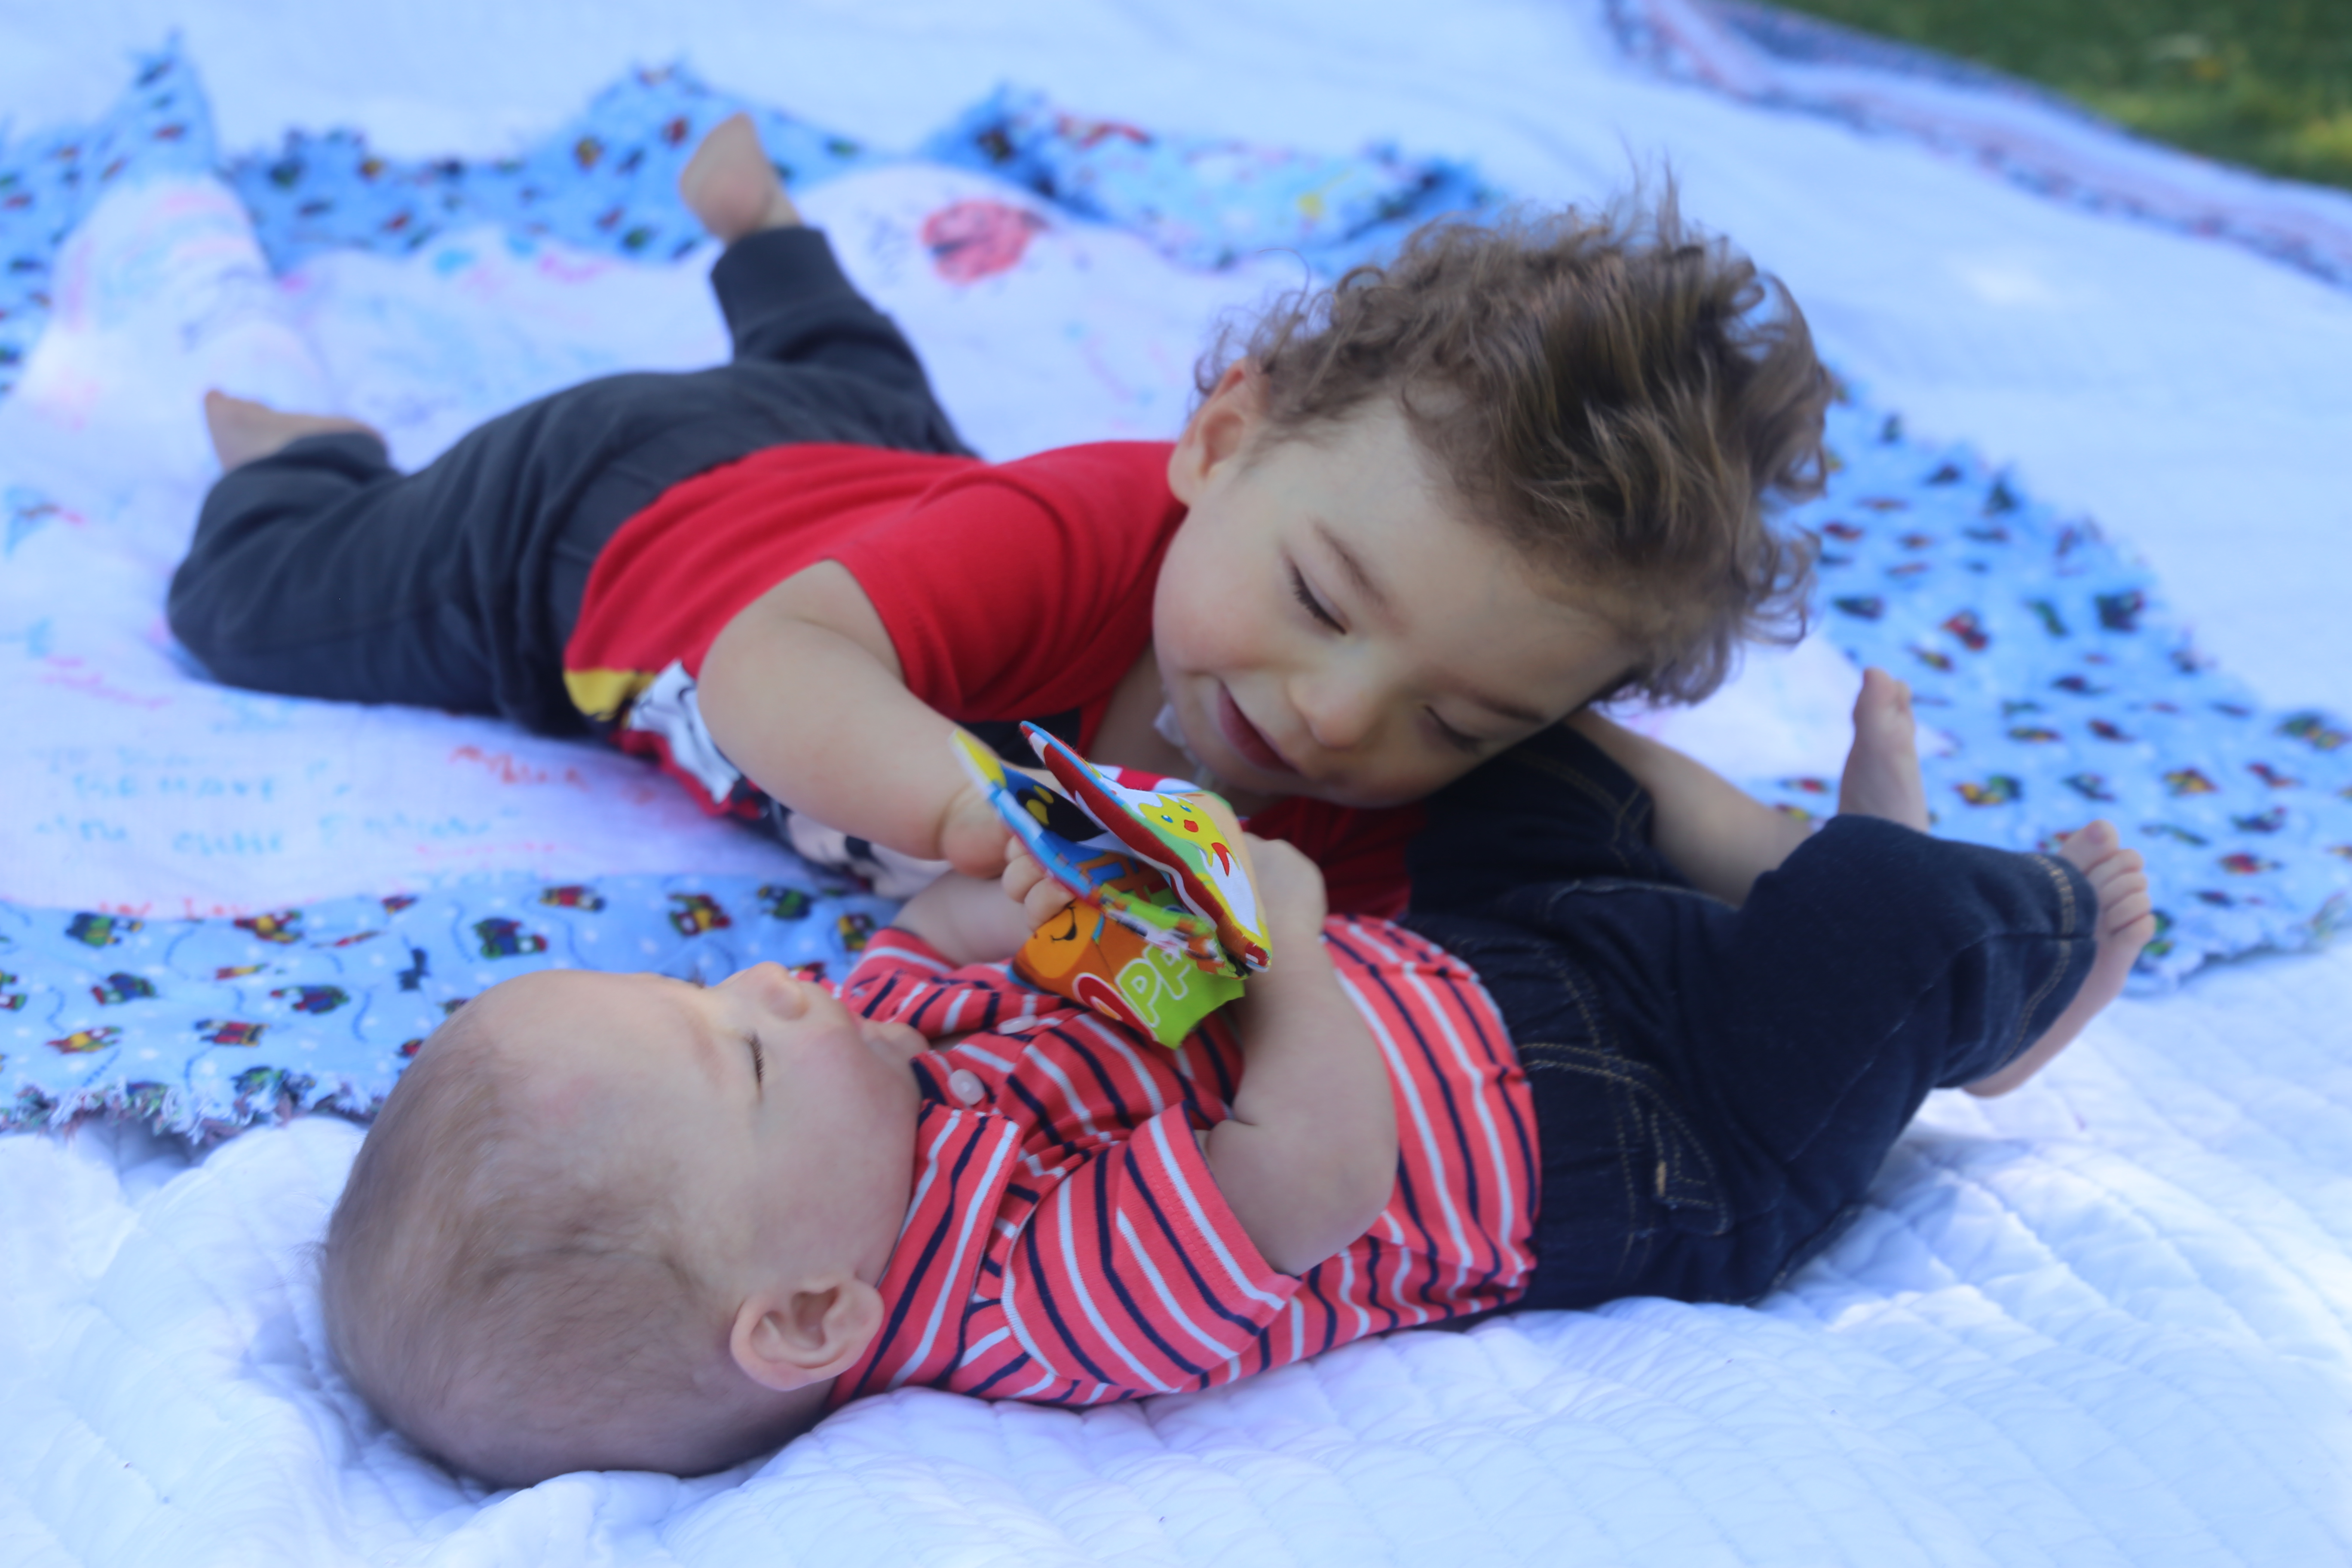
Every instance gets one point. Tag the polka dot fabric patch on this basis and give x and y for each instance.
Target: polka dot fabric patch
(204, 1027)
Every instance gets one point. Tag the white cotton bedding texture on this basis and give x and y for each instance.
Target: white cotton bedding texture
(2107, 1321)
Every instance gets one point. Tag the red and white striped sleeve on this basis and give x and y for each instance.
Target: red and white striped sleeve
(1133, 1276)
(902, 979)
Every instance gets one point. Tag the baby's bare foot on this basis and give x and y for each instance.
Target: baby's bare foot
(244, 430)
(2127, 921)
(1881, 771)
(730, 184)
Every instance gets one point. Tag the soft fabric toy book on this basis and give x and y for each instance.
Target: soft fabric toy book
(1167, 919)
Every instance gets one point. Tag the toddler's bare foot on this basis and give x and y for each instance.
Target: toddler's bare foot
(1881, 771)
(244, 430)
(730, 184)
(2126, 921)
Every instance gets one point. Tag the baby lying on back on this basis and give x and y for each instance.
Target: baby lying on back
(617, 1221)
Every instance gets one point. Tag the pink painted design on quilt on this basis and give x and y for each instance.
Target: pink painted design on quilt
(970, 240)
(71, 673)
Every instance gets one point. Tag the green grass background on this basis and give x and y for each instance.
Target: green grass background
(2262, 83)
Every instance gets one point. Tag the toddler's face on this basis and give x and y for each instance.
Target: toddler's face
(1327, 623)
(778, 1120)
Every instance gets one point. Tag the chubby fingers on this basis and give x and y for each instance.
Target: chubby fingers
(895, 1038)
(1026, 883)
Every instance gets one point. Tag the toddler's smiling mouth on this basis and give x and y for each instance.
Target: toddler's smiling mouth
(1244, 738)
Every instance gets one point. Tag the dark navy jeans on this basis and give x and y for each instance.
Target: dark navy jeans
(1715, 1087)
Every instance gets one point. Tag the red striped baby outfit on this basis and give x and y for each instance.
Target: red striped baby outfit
(1067, 1242)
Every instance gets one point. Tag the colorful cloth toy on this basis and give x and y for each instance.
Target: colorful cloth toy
(1102, 963)
(1166, 922)
(1191, 834)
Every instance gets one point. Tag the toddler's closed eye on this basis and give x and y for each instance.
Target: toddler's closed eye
(1314, 607)
(1455, 738)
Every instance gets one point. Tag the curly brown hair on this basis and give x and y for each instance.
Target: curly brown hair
(1625, 398)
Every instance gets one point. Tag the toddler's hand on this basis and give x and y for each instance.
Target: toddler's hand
(972, 838)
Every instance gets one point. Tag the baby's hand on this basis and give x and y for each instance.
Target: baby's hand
(972, 838)
(900, 1039)
(1289, 889)
(1027, 884)
(967, 920)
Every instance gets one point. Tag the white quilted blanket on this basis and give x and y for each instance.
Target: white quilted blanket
(2107, 1321)
(2104, 1325)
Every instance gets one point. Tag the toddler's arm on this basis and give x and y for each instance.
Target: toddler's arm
(804, 692)
(1715, 833)
(1309, 1157)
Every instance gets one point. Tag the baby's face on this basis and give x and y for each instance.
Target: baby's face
(782, 1125)
(1327, 623)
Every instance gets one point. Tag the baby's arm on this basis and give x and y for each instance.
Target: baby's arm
(972, 920)
(1309, 1157)
(1715, 833)
(804, 692)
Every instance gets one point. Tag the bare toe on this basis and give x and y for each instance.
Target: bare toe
(1882, 773)
(2124, 923)
(2127, 910)
(2086, 847)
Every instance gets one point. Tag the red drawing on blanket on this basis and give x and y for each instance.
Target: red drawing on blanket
(972, 240)
(1094, 132)
(70, 673)
(508, 769)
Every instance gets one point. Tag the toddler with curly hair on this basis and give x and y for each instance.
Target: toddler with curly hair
(1416, 518)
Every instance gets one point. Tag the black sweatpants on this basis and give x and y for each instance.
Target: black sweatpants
(323, 571)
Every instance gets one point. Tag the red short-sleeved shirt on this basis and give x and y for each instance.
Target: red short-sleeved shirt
(1009, 591)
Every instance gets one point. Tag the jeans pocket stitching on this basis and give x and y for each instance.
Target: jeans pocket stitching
(1642, 1111)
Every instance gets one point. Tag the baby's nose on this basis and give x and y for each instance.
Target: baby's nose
(786, 992)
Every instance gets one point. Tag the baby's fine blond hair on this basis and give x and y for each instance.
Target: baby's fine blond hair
(509, 1300)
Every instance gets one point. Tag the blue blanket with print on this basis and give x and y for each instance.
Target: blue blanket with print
(2045, 654)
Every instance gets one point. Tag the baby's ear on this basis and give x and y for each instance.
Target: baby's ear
(786, 1339)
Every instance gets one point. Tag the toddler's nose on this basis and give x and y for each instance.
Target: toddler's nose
(1340, 710)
